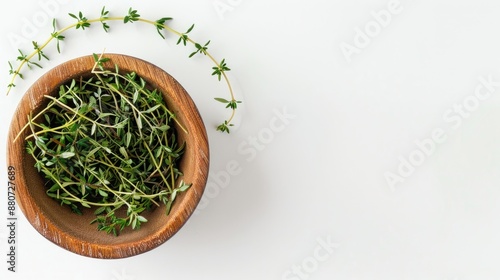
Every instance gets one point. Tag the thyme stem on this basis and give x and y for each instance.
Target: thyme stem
(220, 68)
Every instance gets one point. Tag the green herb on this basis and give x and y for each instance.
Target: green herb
(108, 142)
(55, 35)
(83, 23)
(104, 16)
(131, 16)
(183, 37)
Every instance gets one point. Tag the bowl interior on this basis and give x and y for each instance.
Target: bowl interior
(74, 232)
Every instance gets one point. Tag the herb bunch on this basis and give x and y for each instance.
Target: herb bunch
(108, 142)
(34, 58)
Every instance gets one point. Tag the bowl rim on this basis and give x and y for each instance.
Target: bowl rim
(197, 153)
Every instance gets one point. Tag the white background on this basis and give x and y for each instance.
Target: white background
(318, 175)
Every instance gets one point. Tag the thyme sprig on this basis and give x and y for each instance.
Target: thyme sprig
(83, 23)
(108, 142)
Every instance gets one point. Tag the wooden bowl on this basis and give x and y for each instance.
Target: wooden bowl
(74, 232)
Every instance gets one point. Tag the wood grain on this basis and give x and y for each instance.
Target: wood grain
(74, 232)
